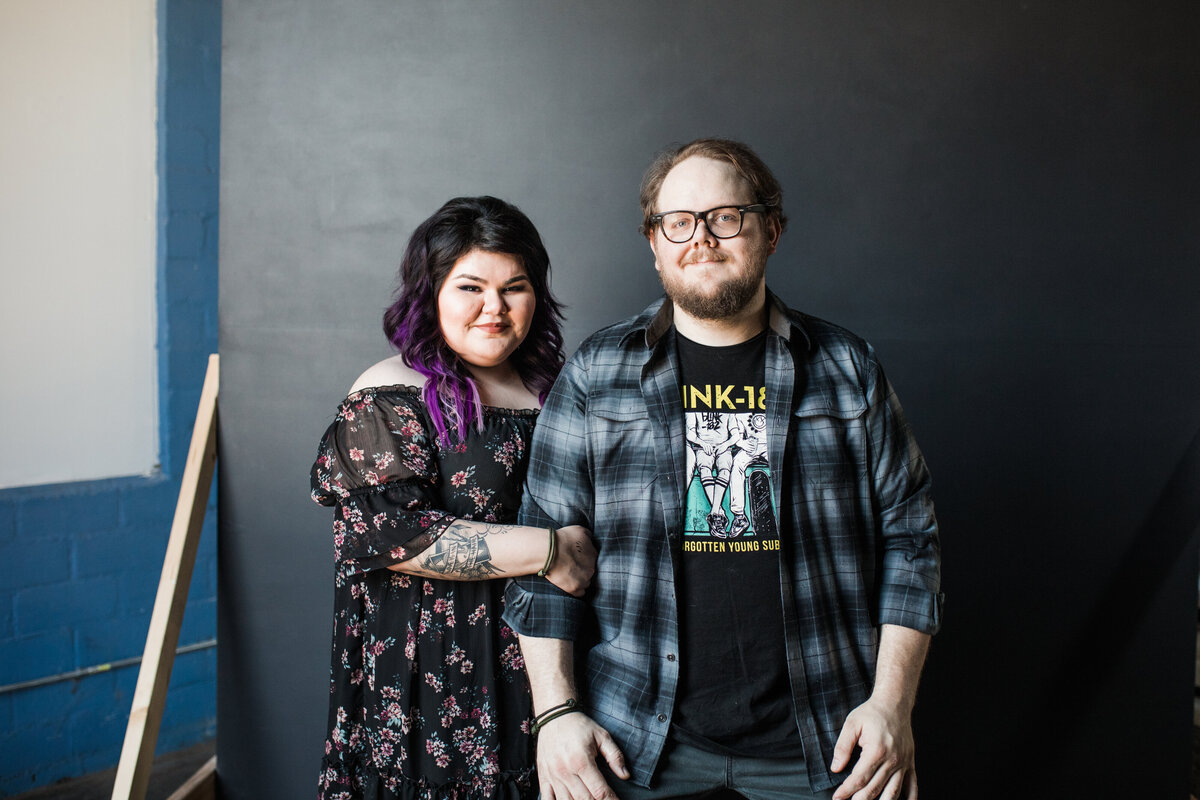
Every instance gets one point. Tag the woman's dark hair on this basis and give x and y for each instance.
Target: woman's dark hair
(411, 322)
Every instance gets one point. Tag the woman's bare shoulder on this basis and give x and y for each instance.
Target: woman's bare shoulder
(389, 372)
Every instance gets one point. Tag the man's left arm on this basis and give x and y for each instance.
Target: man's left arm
(908, 607)
(909, 581)
(882, 726)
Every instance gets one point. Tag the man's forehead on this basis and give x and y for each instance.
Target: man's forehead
(698, 179)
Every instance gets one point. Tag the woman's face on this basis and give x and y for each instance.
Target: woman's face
(485, 307)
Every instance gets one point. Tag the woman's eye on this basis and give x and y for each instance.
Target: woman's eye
(468, 287)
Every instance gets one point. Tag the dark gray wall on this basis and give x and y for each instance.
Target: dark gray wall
(1002, 196)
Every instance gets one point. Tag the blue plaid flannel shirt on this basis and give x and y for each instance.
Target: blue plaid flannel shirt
(859, 539)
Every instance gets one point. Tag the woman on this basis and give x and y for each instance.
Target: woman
(424, 466)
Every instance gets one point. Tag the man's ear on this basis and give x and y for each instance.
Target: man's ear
(774, 231)
(654, 250)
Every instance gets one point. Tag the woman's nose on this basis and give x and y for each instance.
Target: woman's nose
(493, 303)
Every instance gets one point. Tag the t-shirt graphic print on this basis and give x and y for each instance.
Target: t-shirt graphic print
(729, 494)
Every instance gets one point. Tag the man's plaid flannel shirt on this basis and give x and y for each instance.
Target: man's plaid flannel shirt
(860, 543)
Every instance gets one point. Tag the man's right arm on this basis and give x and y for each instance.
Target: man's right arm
(559, 491)
(569, 745)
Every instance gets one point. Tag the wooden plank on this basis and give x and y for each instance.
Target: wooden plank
(201, 786)
(149, 698)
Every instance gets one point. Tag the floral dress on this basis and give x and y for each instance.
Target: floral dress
(428, 696)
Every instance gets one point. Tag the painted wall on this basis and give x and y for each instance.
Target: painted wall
(80, 562)
(1001, 196)
(78, 241)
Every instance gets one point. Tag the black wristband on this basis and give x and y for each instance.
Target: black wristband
(568, 707)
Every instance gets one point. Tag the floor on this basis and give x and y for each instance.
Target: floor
(170, 772)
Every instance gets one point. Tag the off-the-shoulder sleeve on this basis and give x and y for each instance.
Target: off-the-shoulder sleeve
(376, 467)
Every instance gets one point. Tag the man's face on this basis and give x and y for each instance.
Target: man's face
(706, 277)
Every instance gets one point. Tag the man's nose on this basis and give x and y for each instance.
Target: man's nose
(706, 238)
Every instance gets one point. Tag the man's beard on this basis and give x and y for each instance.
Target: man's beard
(728, 298)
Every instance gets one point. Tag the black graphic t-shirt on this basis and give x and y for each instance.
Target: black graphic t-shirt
(733, 693)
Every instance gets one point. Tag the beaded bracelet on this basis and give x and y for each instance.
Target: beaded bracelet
(549, 553)
(549, 714)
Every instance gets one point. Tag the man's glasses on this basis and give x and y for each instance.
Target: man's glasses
(723, 222)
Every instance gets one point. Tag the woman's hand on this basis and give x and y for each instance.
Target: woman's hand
(575, 560)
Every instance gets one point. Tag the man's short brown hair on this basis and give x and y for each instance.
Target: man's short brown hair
(763, 185)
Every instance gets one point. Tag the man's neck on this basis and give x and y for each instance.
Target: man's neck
(741, 327)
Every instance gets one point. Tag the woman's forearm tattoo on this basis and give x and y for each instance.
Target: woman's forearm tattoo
(463, 553)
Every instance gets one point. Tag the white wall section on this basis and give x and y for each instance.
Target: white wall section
(78, 240)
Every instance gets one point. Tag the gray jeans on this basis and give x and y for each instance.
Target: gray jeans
(685, 771)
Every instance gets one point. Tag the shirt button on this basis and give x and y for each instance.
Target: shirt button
(662, 717)
(670, 656)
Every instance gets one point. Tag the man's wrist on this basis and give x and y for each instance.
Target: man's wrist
(554, 712)
(894, 702)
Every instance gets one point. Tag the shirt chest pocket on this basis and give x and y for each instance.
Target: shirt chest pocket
(831, 443)
(622, 443)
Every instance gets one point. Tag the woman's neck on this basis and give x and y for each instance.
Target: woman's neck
(501, 386)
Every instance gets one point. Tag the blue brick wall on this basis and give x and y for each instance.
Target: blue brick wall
(80, 563)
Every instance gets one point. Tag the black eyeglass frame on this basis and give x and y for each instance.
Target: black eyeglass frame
(753, 208)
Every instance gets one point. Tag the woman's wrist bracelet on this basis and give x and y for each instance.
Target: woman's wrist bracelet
(549, 714)
(549, 553)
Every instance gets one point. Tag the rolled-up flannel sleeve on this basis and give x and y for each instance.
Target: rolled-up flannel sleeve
(558, 492)
(910, 582)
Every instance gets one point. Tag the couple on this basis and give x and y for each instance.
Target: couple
(739, 476)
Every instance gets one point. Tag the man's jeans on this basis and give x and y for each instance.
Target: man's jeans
(685, 771)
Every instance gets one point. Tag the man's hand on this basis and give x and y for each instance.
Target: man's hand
(886, 767)
(574, 560)
(566, 759)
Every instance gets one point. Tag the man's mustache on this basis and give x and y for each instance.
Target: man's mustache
(704, 255)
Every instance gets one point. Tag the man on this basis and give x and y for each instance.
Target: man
(758, 656)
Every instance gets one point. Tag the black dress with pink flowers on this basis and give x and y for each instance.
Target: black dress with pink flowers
(428, 696)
